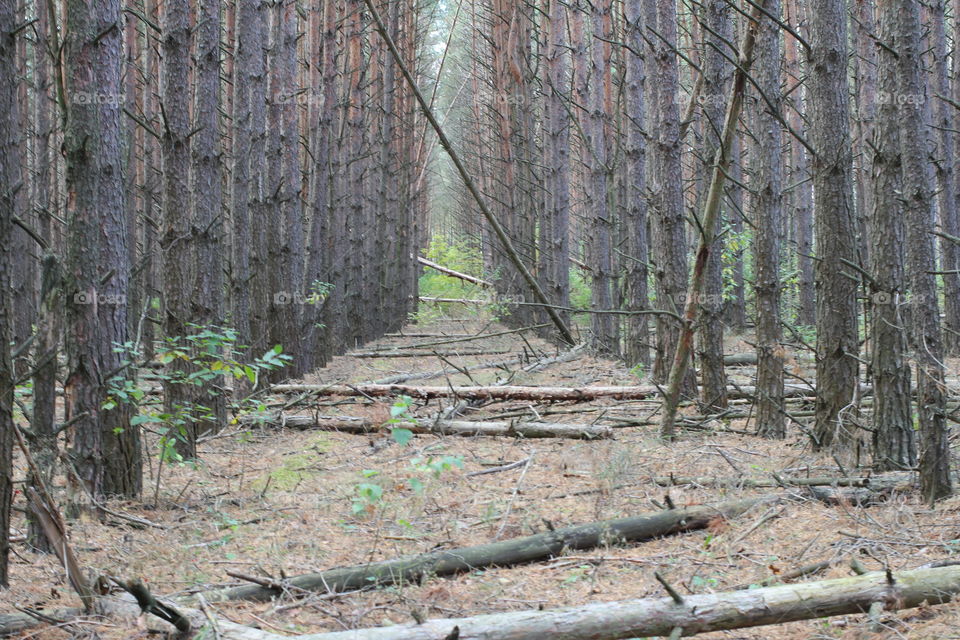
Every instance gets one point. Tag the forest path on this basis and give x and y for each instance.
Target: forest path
(286, 501)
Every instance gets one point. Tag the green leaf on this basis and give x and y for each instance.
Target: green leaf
(401, 436)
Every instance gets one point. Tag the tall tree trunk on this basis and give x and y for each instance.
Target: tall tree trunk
(802, 189)
(947, 192)
(893, 438)
(669, 243)
(636, 340)
(43, 446)
(554, 231)
(835, 228)
(106, 447)
(918, 202)
(177, 241)
(247, 68)
(604, 336)
(766, 183)
(10, 183)
(206, 299)
(717, 74)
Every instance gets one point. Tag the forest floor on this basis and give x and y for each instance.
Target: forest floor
(278, 502)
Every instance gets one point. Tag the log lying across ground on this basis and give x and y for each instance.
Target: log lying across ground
(695, 614)
(385, 353)
(648, 617)
(354, 424)
(784, 481)
(506, 392)
(508, 552)
(451, 272)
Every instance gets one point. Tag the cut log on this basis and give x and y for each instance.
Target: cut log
(353, 424)
(696, 614)
(456, 274)
(508, 552)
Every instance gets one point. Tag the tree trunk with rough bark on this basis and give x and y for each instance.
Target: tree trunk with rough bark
(766, 184)
(893, 437)
(106, 448)
(835, 229)
(669, 242)
(636, 348)
(717, 75)
(207, 294)
(10, 182)
(177, 240)
(918, 206)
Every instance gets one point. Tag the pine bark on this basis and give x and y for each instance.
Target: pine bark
(717, 76)
(176, 242)
(893, 437)
(945, 166)
(106, 449)
(207, 293)
(637, 335)
(669, 242)
(835, 228)
(766, 184)
(10, 182)
(917, 194)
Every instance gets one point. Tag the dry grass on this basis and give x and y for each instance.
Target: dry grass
(279, 503)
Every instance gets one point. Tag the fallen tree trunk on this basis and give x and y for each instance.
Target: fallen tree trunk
(694, 614)
(782, 481)
(734, 359)
(456, 274)
(632, 618)
(423, 354)
(353, 424)
(508, 552)
(507, 392)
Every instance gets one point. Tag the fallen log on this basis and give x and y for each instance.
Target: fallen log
(424, 354)
(543, 363)
(505, 392)
(456, 274)
(693, 614)
(473, 338)
(353, 424)
(509, 392)
(508, 552)
(783, 481)
(735, 359)
(426, 375)
(618, 620)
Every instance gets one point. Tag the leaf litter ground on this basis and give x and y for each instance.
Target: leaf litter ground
(279, 502)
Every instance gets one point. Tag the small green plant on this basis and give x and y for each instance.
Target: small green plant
(400, 414)
(199, 359)
(367, 495)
